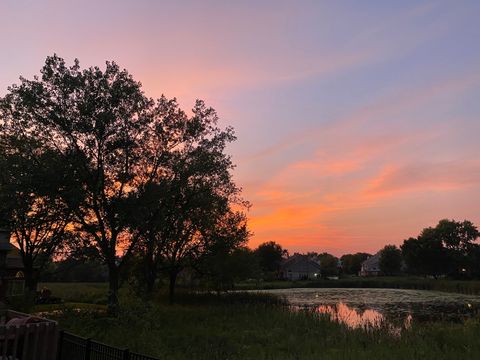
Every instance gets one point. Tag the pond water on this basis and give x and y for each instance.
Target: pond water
(372, 308)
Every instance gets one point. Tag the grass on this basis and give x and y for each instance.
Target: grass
(250, 326)
(48, 308)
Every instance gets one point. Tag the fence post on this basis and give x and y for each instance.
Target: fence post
(126, 354)
(88, 345)
(60, 344)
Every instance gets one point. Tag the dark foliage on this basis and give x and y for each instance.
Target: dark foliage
(390, 260)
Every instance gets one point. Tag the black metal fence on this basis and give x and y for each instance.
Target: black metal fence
(73, 347)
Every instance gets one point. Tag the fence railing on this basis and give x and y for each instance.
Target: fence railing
(73, 347)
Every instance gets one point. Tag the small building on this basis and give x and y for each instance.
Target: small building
(300, 267)
(12, 281)
(371, 266)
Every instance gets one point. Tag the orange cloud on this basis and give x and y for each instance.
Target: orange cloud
(331, 202)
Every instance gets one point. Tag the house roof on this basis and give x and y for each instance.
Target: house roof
(13, 260)
(14, 263)
(6, 246)
(299, 262)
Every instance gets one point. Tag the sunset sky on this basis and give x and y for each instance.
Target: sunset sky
(358, 122)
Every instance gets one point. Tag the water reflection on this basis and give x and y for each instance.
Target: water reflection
(366, 319)
(352, 317)
(390, 309)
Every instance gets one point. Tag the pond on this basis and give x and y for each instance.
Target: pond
(373, 308)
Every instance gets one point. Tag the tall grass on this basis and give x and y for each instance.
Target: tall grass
(253, 326)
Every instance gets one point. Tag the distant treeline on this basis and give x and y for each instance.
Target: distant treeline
(448, 249)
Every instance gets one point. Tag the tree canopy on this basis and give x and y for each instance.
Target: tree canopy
(270, 255)
(352, 263)
(446, 249)
(390, 261)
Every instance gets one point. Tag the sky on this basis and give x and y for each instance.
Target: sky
(357, 121)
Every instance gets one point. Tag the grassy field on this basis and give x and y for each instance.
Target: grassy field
(251, 326)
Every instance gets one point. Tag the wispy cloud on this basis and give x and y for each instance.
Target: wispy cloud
(424, 176)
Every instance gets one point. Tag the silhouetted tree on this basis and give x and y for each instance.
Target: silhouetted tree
(185, 212)
(473, 261)
(457, 238)
(223, 267)
(101, 122)
(425, 255)
(444, 249)
(390, 260)
(352, 263)
(118, 141)
(31, 204)
(329, 265)
(270, 255)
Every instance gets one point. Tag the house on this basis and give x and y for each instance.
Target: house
(12, 281)
(371, 266)
(299, 267)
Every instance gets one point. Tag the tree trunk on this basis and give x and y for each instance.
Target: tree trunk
(29, 273)
(150, 283)
(150, 279)
(113, 290)
(150, 273)
(30, 279)
(171, 288)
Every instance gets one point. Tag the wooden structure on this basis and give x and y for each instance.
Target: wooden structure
(25, 337)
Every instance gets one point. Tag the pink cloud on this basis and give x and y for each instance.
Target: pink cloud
(440, 176)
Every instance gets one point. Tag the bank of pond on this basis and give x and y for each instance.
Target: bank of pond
(299, 323)
(471, 287)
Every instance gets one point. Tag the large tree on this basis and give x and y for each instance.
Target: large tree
(458, 239)
(390, 261)
(447, 248)
(31, 204)
(329, 264)
(225, 258)
(185, 212)
(270, 255)
(118, 140)
(425, 255)
(352, 263)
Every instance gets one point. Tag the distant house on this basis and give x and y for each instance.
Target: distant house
(371, 266)
(300, 267)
